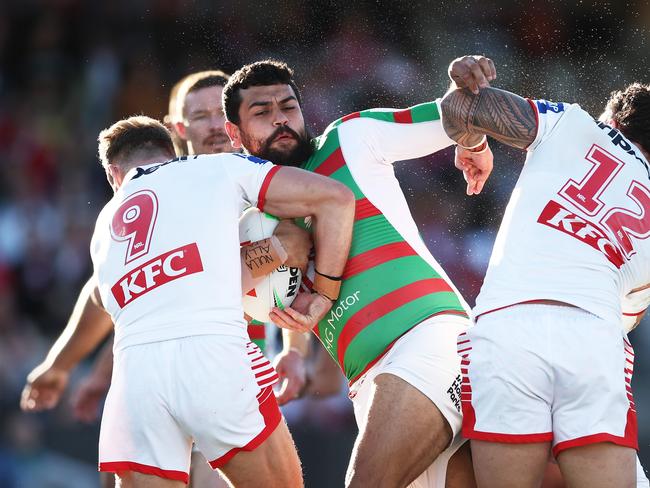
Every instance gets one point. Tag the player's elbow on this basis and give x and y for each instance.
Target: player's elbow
(343, 198)
(451, 108)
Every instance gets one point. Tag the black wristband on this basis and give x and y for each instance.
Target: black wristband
(333, 278)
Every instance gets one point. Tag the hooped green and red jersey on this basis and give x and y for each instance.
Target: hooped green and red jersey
(391, 281)
(257, 333)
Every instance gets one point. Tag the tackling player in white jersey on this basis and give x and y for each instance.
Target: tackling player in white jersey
(196, 123)
(184, 368)
(547, 364)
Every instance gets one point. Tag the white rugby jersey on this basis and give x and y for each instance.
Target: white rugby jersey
(166, 247)
(576, 227)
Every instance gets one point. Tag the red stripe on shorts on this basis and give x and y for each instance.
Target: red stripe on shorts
(118, 466)
(630, 435)
(469, 414)
(272, 416)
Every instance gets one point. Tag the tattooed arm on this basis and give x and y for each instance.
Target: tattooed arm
(505, 116)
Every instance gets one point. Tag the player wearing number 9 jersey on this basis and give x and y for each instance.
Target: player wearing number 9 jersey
(166, 258)
(547, 363)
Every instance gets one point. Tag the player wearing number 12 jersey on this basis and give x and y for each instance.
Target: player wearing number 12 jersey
(548, 363)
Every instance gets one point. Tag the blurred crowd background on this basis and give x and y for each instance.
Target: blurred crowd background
(69, 68)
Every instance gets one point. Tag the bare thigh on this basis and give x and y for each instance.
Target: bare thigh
(273, 464)
(599, 465)
(202, 475)
(500, 465)
(553, 476)
(131, 479)
(404, 434)
(460, 471)
(106, 480)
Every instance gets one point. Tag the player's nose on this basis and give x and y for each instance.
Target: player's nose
(279, 118)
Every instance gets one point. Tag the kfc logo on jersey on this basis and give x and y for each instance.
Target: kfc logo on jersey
(167, 267)
(556, 216)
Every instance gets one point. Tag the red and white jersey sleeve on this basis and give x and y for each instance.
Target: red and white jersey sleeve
(166, 247)
(252, 184)
(390, 141)
(577, 225)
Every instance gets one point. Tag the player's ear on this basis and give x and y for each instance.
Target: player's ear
(181, 130)
(115, 174)
(234, 134)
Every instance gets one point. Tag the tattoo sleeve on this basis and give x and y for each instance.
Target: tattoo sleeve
(505, 116)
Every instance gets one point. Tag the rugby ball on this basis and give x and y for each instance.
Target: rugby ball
(281, 286)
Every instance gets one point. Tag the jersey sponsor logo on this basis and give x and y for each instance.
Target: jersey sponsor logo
(336, 313)
(556, 216)
(454, 392)
(619, 140)
(253, 159)
(544, 106)
(167, 267)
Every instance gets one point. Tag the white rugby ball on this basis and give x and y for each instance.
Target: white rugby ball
(281, 286)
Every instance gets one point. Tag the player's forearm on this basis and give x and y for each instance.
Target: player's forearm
(505, 116)
(334, 219)
(297, 193)
(325, 378)
(103, 367)
(87, 327)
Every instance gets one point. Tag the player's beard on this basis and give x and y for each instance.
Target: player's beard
(300, 153)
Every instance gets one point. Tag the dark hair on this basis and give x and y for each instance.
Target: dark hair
(134, 134)
(262, 73)
(630, 109)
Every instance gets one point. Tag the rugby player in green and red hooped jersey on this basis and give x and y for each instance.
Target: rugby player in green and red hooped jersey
(394, 326)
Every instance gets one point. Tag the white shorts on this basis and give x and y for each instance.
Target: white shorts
(425, 357)
(641, 479)
(213, 390)
(537, 373)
